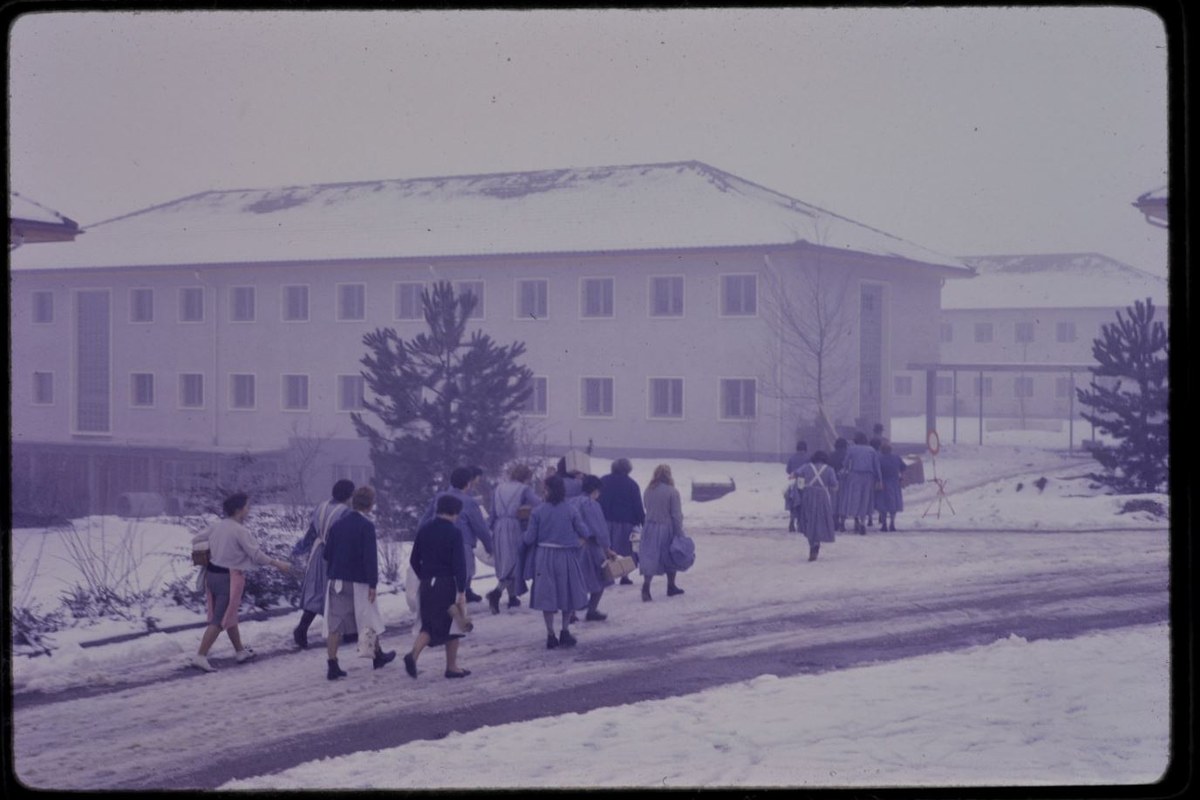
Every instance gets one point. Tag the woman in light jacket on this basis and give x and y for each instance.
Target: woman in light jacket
(664, 519)
(597, 549)
(556, 532)
(507, 499)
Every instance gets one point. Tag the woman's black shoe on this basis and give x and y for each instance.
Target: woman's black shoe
(334, 671)
(493, 598)
(551, 641)
(566, 639)
(673, 590)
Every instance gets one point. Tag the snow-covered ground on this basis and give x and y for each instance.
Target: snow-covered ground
(1090, 710)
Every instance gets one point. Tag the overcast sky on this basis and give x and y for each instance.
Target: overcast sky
(967, 131)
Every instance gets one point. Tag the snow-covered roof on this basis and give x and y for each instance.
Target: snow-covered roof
(1052, 280)
(22, 208)
(601, 209)
(1154, 195)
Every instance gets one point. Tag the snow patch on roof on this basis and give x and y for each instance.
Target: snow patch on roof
(1052, 280)
(601, 209)
(21, 207)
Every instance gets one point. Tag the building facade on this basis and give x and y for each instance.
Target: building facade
(232, 322)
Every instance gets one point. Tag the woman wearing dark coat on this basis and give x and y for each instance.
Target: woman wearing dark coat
(440, 563)
(556, 532)
(621, 501)
(816, 507)
(889, 499)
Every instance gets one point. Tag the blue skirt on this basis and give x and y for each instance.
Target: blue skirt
(506, 544)
(558, 583)
(312, 586)
(859, 488)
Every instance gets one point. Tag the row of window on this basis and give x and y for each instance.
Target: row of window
(597, 395)
(1022, 386)
(739, 297)
(1023, 332)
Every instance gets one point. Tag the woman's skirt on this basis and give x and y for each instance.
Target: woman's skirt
(619, 533)
(436, 597)
(340, 609)
(652, 552)
(312, 586)
(223, 596)
(558, 582)
(506, 546)
(889, 499)
(816, 515)
(591, 564)
(859, 488)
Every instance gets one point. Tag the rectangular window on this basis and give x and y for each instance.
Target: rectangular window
(986, 386)
(352, 301)
(1023, 386)
(295, 392)
(597, 397)
(943, 385)
(739, 295)
(1062, 387)
(408, 301)
(738, 398)
(1065, 331)
(474, 288)
(241, 391)
(93, 362)
(295, 304)
(531, 299)
(43, 307)
(191, 390)
(535, 405)
(141, 305)
(1023, 332)
(191, 304)
(902, 385)
(43, 388)
(597, 297)
(946, 334)
(983, 332)
(141, 389)
(350, 392)
(666, 296)
(241, 304)
(666, 398)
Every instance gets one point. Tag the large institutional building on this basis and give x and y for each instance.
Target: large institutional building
(231, 322)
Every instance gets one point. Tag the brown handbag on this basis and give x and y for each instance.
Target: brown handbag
(200, 558)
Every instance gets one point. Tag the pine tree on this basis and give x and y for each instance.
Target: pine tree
(445, 398)
(1131, 404)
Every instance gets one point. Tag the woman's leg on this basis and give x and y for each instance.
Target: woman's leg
(420, 644)
(646, 588)
(235, 637)
(452, 655)
(548, 618)
(210, 636)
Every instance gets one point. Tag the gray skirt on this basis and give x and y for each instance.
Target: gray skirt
(506, 542)
(341, 609)
(558, 582)
(652, 552)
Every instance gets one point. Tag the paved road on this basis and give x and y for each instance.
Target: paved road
(150, 735)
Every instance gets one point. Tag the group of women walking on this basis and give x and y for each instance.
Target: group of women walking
(852, 483)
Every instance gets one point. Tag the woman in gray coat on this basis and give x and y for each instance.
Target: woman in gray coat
(507, 501)
(816, 506)
(597, 548)
(664, 519)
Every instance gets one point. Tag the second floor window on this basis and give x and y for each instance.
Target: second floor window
(191, 304)
(141, 305)
(295, 304)
(1023, 332)
(1065, 331)
(531, 299)
(241, 304)
(739, 295)
(983, 332)
(666, 296)
(474, 288)
(43, 307)
(352, 301)
(408, 301)
(597, 298)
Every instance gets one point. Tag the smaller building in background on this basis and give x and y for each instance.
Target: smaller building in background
(1153, 205)
(30, 222)
(1036, 309)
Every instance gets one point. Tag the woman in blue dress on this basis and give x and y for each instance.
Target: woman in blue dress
(889, 499)
(505, 516)
(597, 549)
(556, 532)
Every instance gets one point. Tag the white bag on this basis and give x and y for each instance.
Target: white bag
(412, 585)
